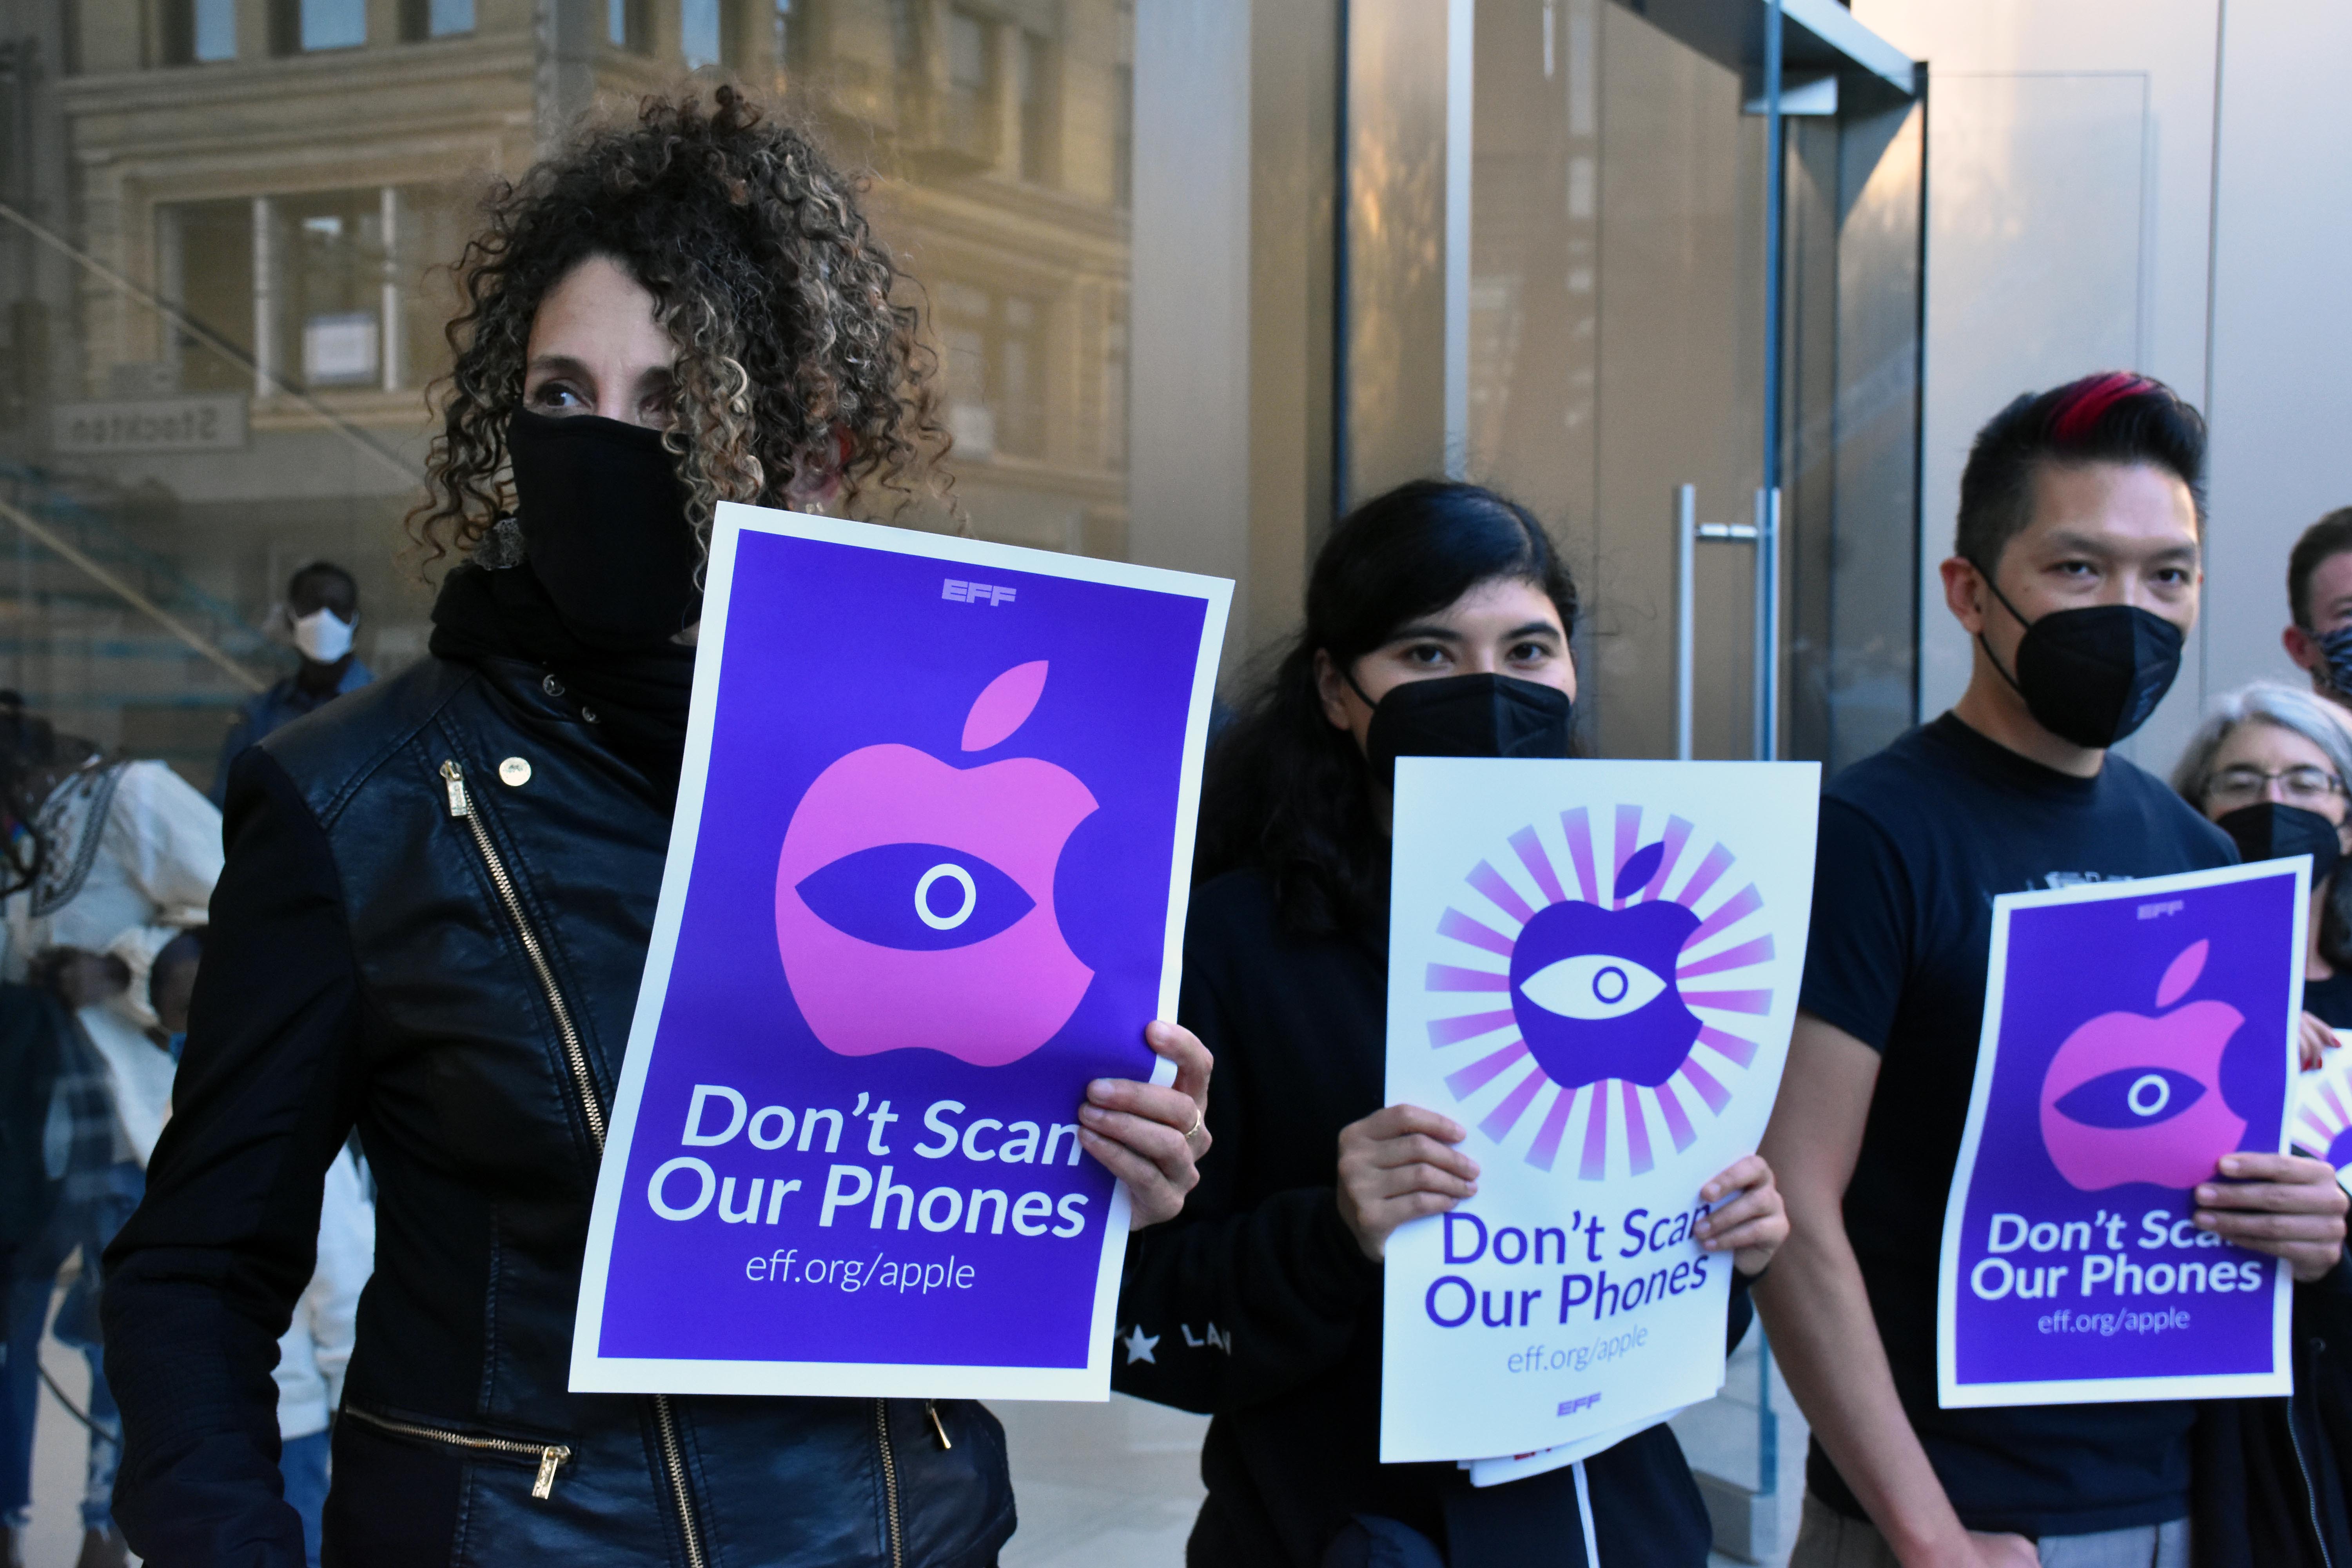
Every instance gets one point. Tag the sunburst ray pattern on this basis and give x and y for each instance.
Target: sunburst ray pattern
(2322, 1121)
(1614, 1125)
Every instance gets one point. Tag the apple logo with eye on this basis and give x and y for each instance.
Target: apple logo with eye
(2130, 1098)
(1591, 987)
(915, 898)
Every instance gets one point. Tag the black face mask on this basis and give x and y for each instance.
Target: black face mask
(2091, 676)
(1466, 716)
(603, 527)
(2268, 831)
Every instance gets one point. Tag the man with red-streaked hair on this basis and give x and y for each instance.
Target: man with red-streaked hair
(2076, 571)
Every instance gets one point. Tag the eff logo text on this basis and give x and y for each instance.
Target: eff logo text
(975, 592)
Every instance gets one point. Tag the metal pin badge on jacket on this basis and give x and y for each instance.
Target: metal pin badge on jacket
(515, 771)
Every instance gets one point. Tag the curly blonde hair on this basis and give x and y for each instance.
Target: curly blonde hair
(792, 354)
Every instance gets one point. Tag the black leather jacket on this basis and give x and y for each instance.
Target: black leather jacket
(419, 935)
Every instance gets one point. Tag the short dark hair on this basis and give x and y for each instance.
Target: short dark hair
(322, 569)
(1285, 791)
(2331, 535)
(2116, 416)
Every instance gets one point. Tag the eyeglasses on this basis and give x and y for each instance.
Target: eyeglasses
(2303, 785)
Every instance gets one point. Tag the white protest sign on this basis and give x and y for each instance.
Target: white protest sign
(1519, 1467)
(1593, 967)
(2321, 1122)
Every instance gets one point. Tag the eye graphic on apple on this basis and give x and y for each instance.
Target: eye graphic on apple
(2133, 1097)
(1591, 990)
(915, 898)
(1617, 1003)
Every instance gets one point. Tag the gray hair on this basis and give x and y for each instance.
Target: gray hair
(2298, 712)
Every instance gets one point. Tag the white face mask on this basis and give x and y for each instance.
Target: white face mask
(323, 637)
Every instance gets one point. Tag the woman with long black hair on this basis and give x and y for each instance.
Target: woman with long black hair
(436, 905)
(1438, 620)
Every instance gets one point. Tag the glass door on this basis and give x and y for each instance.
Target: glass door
(1594, 259)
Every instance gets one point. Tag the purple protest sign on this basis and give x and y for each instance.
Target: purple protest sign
(2133, 1034)
(928, 878)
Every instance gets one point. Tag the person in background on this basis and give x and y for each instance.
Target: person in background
(2268, 767)
(317, 1345)
(2076, 571)
(1437, 625)
(322, 612)
(171, 988)
(118, 860)
(2318, 635)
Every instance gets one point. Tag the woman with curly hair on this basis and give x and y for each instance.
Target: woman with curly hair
(438, 901)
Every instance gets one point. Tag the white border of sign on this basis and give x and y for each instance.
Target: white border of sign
(1950, 1394)
(594, 1374)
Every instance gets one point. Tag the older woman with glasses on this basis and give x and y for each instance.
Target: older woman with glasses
(2268, 767)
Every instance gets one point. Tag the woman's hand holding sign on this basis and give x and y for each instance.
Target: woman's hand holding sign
(1751, 1228)
(1397, 1164)
(2284, 1205)
(1150, 1136)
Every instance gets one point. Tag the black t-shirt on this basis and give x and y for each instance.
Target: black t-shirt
(1915, 842)
(2330, 1000)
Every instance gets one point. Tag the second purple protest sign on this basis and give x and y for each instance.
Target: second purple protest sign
(927, 881)
(2135, 1033)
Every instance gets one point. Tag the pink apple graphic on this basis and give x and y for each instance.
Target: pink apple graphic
(915, 899)
(2130, 1098)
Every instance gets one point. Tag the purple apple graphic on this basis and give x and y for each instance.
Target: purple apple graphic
(1592, 987)
(915, 899)
(2130, 1098)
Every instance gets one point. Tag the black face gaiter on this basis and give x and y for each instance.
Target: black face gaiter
(1466, 716)
(2268, 831)
(2091, 676)
(603, 527)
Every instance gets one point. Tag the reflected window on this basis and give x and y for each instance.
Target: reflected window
(1034, 61)
(326, 291)
(199, 32)
(994, 371)
(710, 33)
(424, 19)
(971, 105)
(331, 283)
(301, 26)
(206, 251)
(794, 46)
(624, 25)
(698, 32)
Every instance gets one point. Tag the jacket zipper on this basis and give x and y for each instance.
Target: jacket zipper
(890, 1481)
(593, 1112)
(463, 808)
(551, 1455)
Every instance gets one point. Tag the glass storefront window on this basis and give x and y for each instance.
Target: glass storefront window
(1580, 308)
(218, 331)
(260, 307)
